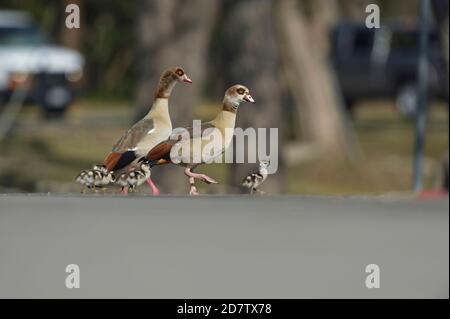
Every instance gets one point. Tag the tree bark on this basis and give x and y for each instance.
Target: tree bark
(312, 83)
(72, 38)
(355, 10)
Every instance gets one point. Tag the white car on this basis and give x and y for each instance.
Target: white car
(52, 73)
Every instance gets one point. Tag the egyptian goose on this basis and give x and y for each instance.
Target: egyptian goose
(254, 180)
(225, 120)
(101, 180)
(122, 181)
(82, 179)
(138, 176)
(134, 178)
(100, 168)
(154, 128)
(88, 178)
(97, 177)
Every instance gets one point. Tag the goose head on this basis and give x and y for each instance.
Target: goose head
(181, 75)
(264, 164)
(237, 94)
(145, 167)
(168, 79)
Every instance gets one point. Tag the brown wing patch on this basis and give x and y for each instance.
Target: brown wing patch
(111, 160)
(160, 154)
(161, 151)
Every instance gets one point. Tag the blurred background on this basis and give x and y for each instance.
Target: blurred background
(342, 96)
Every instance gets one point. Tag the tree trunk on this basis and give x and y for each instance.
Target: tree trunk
(72, 37)
(172, 33)
(250, 57)
(355, 10)
(323, 122)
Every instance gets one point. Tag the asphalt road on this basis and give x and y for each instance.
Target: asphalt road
(223, 247)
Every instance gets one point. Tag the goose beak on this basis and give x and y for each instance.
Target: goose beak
(249, 98)
(186, 79)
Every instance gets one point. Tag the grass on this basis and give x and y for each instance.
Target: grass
(45, 156)
(387, 142)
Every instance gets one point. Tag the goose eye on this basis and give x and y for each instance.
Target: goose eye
(180, 72)
(241, 91)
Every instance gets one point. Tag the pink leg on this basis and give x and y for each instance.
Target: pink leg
(193, 191)
(125, 190)
(202, 177)
(153, 187)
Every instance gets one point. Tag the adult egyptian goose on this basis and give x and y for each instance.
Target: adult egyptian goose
(154, 128)
(253, 181)
(224, 121)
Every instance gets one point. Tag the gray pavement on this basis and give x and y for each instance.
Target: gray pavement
(222, 247)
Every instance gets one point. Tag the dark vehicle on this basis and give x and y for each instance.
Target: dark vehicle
(27, 58)
(380, 63)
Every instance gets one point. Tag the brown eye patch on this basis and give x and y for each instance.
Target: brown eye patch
(179, 72)
(240, 91)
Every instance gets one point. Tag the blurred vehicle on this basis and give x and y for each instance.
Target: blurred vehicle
(52, 72)
(373, 63)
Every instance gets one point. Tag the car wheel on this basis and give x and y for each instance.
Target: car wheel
(406, 100)
(55, 101)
